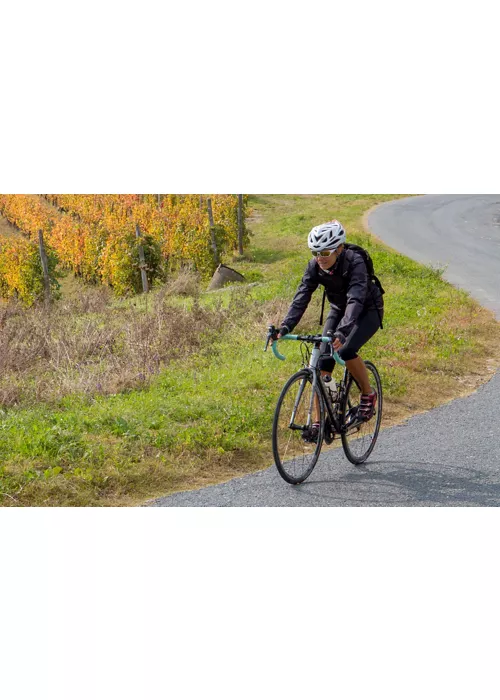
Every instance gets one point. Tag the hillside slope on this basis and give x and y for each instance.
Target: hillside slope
(201, 412)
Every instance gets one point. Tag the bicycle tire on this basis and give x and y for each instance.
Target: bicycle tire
(359, 442)
(295, 458)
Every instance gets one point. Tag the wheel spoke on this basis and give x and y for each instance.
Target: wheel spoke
(294, 454)
(360, 440)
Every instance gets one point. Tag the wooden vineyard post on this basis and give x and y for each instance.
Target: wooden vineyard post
(45, 267)
(142, 262)
(240, 224)
(212, 231)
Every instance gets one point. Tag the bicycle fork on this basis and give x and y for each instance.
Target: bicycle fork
(315, 355)
(297, 402)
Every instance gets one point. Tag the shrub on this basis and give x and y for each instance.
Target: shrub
(21, 273)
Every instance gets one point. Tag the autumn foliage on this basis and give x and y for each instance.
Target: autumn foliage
(21, 273)
(95, 235)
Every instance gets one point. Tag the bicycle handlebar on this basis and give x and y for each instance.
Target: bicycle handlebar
(306, 338)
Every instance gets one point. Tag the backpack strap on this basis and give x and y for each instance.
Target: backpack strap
(322, 308)
(379, 284)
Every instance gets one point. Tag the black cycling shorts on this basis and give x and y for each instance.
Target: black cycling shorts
(365, 328)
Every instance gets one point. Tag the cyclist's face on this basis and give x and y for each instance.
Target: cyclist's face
(326, 263)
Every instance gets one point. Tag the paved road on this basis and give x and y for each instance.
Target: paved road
(447, 457)
(461, 232)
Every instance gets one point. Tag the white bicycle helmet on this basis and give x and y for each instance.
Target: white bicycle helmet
(326, 236)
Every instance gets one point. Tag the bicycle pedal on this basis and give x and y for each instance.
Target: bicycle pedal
(353, 424)
(311, 435)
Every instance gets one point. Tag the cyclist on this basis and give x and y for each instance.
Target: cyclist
(356, 306)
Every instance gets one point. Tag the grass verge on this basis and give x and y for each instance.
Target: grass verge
(203, 414)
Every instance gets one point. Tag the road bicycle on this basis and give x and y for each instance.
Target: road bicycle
(307, 398)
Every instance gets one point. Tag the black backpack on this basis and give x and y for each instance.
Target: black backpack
(369, 267)
(368, 262)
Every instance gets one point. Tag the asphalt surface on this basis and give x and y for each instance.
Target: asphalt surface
(459, 232)
(449, 456)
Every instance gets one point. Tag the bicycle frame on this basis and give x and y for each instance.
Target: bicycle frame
(341, 411)
(327, 401)
(317, 383)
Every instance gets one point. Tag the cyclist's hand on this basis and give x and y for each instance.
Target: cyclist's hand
(337, 345)
(283, 331)
(272, 334)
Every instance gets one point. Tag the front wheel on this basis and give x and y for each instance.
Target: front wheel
(296, 445)
(358, 437)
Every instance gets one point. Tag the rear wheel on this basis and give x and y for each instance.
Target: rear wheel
(359, 437)
(296, 447)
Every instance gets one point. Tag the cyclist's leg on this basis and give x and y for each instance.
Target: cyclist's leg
(357, 368)
(367, 326)
(327, 363)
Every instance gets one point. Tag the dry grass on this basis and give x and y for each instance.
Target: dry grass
(87, 345)
(186, 283)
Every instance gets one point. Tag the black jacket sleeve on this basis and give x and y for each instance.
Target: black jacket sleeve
(302, 297)
(357, 291)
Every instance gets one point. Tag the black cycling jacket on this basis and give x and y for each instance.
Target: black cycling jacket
(348, 289)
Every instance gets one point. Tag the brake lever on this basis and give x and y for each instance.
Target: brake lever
(270, 332)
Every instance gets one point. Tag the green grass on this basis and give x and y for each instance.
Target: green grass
(209, 417)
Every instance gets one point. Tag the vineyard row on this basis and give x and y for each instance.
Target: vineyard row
(95, 236)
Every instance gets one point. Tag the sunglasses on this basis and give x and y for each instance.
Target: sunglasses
(323, 253)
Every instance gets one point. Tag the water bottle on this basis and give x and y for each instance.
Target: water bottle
(334, 392)
(331, 389)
